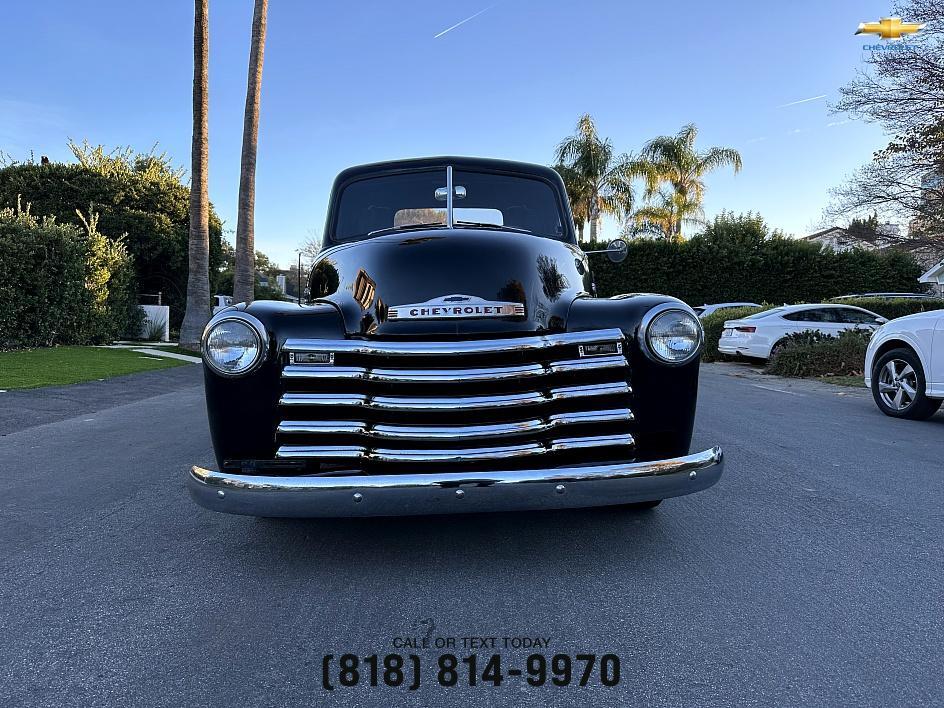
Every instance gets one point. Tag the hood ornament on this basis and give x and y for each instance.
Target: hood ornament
(455, 307)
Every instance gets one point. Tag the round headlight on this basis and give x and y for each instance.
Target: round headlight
(674, 336)
(233, 346)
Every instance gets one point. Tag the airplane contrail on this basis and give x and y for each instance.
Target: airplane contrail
(459, 24)
(802, 100)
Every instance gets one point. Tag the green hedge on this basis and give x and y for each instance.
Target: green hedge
(813, 354)
(737, 258)
(892, 309)
(138, 196)
(60, 284)
(714, 323)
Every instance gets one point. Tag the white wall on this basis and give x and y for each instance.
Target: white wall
(156, 314)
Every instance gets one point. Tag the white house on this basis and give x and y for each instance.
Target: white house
(935, 276)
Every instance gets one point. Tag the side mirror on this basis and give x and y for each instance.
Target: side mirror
(617, 250)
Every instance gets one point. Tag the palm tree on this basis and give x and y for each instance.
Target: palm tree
(197, 312)
(673, 160)
(576, 195)
(244, 279)
(601, 180)
(667, 215)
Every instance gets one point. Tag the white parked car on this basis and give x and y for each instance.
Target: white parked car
(761, 334)
(706, 310)
(904, 365)
(221, 301)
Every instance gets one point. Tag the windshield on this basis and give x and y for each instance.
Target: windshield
(392, 202)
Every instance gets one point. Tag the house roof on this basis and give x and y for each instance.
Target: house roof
(819, 234)
(934, 275)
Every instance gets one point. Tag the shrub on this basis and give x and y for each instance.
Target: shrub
(60, 284)
(141, 196)
(737, 258)
(714, 323)
(899, 307)
(814, 354)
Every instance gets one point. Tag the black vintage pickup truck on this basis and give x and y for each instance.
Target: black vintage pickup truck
(452, 356)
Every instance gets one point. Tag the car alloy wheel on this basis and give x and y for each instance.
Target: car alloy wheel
(898, 384)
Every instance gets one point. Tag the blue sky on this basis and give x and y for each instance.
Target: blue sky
(346, 83)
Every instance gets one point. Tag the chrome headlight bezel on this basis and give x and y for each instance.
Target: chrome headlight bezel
(652, 316)
(254, 325)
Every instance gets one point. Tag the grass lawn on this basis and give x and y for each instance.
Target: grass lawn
(856, 381)
(58, 366)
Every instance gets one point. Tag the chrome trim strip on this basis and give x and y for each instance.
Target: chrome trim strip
(458, 432)
(438, 493)
(346, 452)
(441, 403)
(323, 399)
(452, 432)
(463, 455)
(450, 220)
(322, 427)
(458, 348)
(589, 364)
(495, 373)
(592, 441)
(446, 455)
(602, 389)
(321, 371)
(412, 403)
(612, 415)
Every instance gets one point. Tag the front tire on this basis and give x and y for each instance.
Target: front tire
(898, 386)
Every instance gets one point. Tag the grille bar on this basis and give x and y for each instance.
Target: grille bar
(433, 403)
(454, 349)
(323, 452)
(493, 373)
(451, 432)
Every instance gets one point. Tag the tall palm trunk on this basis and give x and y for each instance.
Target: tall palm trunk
(198, 279)
(245, 276)
(594, 221)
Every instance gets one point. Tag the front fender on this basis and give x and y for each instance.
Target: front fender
(664, 397)
(242, 411)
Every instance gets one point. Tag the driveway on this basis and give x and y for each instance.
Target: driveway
(810, 575)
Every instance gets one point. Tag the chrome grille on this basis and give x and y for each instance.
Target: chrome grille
(383, 404)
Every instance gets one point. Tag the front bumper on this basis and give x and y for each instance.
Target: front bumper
(453, 493)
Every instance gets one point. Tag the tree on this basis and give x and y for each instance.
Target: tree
(139, 197)
(600, 181)
(904, 92)
(672, 161)
(245, 219)
(666, 216)
(197, 313)
(576, 195)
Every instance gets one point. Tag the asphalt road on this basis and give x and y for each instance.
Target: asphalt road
(810, 575)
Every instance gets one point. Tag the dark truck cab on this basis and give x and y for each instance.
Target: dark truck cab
(451, 357)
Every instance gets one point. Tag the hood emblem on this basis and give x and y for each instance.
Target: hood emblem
(455, 307)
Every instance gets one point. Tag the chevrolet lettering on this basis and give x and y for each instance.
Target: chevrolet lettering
(452, 356)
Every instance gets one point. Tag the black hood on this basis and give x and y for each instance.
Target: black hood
(368, 278)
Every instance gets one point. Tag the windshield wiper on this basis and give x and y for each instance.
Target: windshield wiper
(406, 227)
(498, 227)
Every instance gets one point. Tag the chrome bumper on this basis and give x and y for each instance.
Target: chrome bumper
(454, 493)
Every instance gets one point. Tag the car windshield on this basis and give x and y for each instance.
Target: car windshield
(412, 200)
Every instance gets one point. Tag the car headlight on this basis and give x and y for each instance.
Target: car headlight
(671, 335)
(234, 345)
